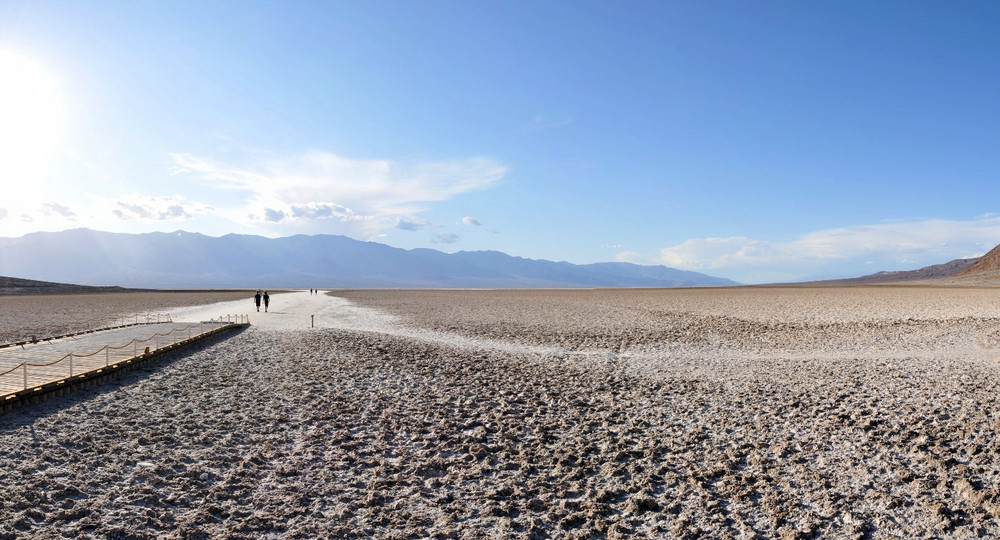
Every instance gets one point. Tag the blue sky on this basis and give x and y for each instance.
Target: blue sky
(758, 141)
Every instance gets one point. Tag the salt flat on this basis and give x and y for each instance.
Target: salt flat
(750, 412)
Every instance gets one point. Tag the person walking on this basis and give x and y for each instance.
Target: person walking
(267, 300)
(256, 299)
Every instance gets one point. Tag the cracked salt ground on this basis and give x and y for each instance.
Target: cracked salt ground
(654, 425)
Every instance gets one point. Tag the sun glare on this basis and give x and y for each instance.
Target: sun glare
(31, 120)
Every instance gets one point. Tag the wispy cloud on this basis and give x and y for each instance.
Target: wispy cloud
(848, 248)
(369, 195)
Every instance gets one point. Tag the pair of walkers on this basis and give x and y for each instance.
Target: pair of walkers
(257, 298)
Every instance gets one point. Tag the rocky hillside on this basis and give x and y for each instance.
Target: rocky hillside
(987, 264)
(938, 271)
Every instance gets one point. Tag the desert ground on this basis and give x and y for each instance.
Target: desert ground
(855, 412)
(60, 314)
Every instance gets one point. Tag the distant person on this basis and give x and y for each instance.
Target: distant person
(267, 300)
(256, 300)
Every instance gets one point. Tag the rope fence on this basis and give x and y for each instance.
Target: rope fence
(26, 334)
(27, 374)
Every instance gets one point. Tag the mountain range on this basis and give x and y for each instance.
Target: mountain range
(17, 286)
(182, 260)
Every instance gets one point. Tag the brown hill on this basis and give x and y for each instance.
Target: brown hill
(938, 271)
(987, 264)
(948, 269)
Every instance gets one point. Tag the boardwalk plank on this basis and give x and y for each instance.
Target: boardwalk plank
(48, 361)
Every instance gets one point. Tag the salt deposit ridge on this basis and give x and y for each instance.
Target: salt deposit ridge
(301, 310)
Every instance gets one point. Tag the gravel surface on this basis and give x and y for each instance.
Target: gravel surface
(734, 413)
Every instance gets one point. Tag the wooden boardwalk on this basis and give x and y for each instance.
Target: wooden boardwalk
(36, 365)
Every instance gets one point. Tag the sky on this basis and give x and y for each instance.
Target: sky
(760, 141)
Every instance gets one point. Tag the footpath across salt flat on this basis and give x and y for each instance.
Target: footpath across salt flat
(297, 310)
(301, 310)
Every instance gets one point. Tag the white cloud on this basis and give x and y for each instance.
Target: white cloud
(324, 210)
(274, 216)
(701, 253)
(56, 209)
(628, 256)
(840, 250)
(412, 223)
(138, 207)
(370, 194)
(444, 238)
(50, 214)
(313, 211)
(469, 221)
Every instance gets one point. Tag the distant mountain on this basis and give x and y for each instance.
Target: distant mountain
(191, 260)
(17, 286)
(937, 271)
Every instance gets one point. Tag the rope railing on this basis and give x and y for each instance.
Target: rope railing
(192, 330)
(26, 334)
(234, 319)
